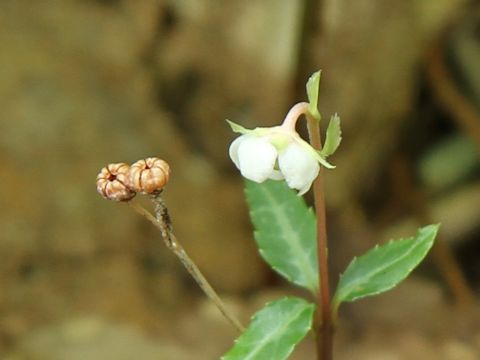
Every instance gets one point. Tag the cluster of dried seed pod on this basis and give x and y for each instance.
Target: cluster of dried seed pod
(121, 182)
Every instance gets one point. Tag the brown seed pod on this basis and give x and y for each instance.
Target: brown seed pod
(148, 175)
(111, 182)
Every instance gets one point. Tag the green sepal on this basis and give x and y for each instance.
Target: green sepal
(237, 128)
(315, 153)
(322, 160)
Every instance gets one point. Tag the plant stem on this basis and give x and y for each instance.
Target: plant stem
(324, 323)
(163, 223)
(325, 328)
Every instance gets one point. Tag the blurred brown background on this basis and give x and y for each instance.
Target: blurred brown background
(85, 83)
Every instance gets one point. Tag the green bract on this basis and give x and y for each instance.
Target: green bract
(333, 138)
(274, 331)
(313, 88)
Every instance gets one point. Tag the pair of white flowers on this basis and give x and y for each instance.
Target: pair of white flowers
(276, 153)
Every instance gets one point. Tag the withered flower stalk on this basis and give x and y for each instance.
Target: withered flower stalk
(162, 222)
(121, 182)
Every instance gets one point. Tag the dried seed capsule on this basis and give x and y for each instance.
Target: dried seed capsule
(111, 182)
(149, 175)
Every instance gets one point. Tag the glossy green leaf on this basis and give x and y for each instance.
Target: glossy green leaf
(333, 138)
(274, 331)
(313, 89)
(383, 267)
(285, 231)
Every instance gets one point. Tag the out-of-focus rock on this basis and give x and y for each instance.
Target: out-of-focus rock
(370, 80)
(236, 61)
(456, 350)
(456, 225)
(466, 52)
(384, 346)
(205, 329)
(95, 338)
(414, 301)
(75, 94)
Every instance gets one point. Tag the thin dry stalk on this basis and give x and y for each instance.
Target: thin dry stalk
(163, 223)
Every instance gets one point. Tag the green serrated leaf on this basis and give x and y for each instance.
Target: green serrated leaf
(274, 331)
(285, 231)
(334, 136)
(384, 267)
(313, 88)
(237, 128)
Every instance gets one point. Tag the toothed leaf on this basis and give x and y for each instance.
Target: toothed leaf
(285, 231)
(274, 331)
(384, 267)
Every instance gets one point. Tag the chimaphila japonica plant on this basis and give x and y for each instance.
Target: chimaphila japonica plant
(280, 167)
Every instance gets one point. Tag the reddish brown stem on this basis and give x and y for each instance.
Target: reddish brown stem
(325, 328)
(323, 323)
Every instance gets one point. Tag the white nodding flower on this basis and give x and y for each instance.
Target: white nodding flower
(276, 153)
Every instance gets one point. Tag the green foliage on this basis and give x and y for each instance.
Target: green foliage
(313, 88)
(333, 138)
(449, 162)
(274, 331)
(384, 267)
(285, 231)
